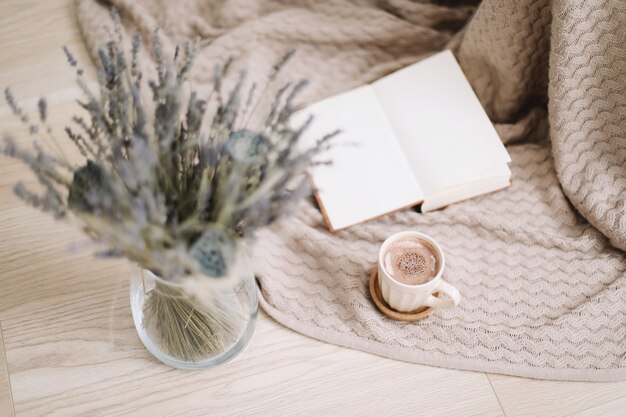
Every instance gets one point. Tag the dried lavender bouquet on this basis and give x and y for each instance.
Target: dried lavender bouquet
(174, 189)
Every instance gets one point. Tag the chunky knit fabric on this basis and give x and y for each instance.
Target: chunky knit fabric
(541, 265)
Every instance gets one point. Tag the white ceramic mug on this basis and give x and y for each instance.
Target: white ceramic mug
(404, 297)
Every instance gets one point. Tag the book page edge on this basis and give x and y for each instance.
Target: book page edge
(469, 198)
(333, 230)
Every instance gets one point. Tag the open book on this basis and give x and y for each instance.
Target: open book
(417, 136)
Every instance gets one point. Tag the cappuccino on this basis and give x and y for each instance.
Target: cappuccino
(411, 261)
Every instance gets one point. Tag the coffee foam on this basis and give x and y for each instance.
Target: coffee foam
(411, 261)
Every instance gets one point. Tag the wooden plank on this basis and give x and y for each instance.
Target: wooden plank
(342, 383)
(6, 400)
(616, 408)
(529, 397)
(32, 34)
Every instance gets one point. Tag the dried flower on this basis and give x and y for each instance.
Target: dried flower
(173, 189)
(215, 252)
(152, 184)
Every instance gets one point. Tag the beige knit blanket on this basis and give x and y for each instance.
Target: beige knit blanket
(541, 265)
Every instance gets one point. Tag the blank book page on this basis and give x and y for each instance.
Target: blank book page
(369, 175)
(445, 133)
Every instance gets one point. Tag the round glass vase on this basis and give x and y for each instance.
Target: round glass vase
(195, 322)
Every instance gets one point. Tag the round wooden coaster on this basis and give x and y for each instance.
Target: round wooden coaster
(377, 296)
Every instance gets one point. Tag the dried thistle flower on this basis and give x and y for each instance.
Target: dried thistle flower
(215, 251)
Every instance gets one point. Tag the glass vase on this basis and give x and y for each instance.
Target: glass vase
(195, 322)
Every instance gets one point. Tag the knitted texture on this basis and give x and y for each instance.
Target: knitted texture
(540, 264)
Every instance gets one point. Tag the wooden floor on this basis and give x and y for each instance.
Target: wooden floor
(67, 342)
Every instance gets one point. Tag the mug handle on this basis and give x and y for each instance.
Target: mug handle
(450, 291)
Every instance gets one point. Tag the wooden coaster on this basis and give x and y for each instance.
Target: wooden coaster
(382, 305)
